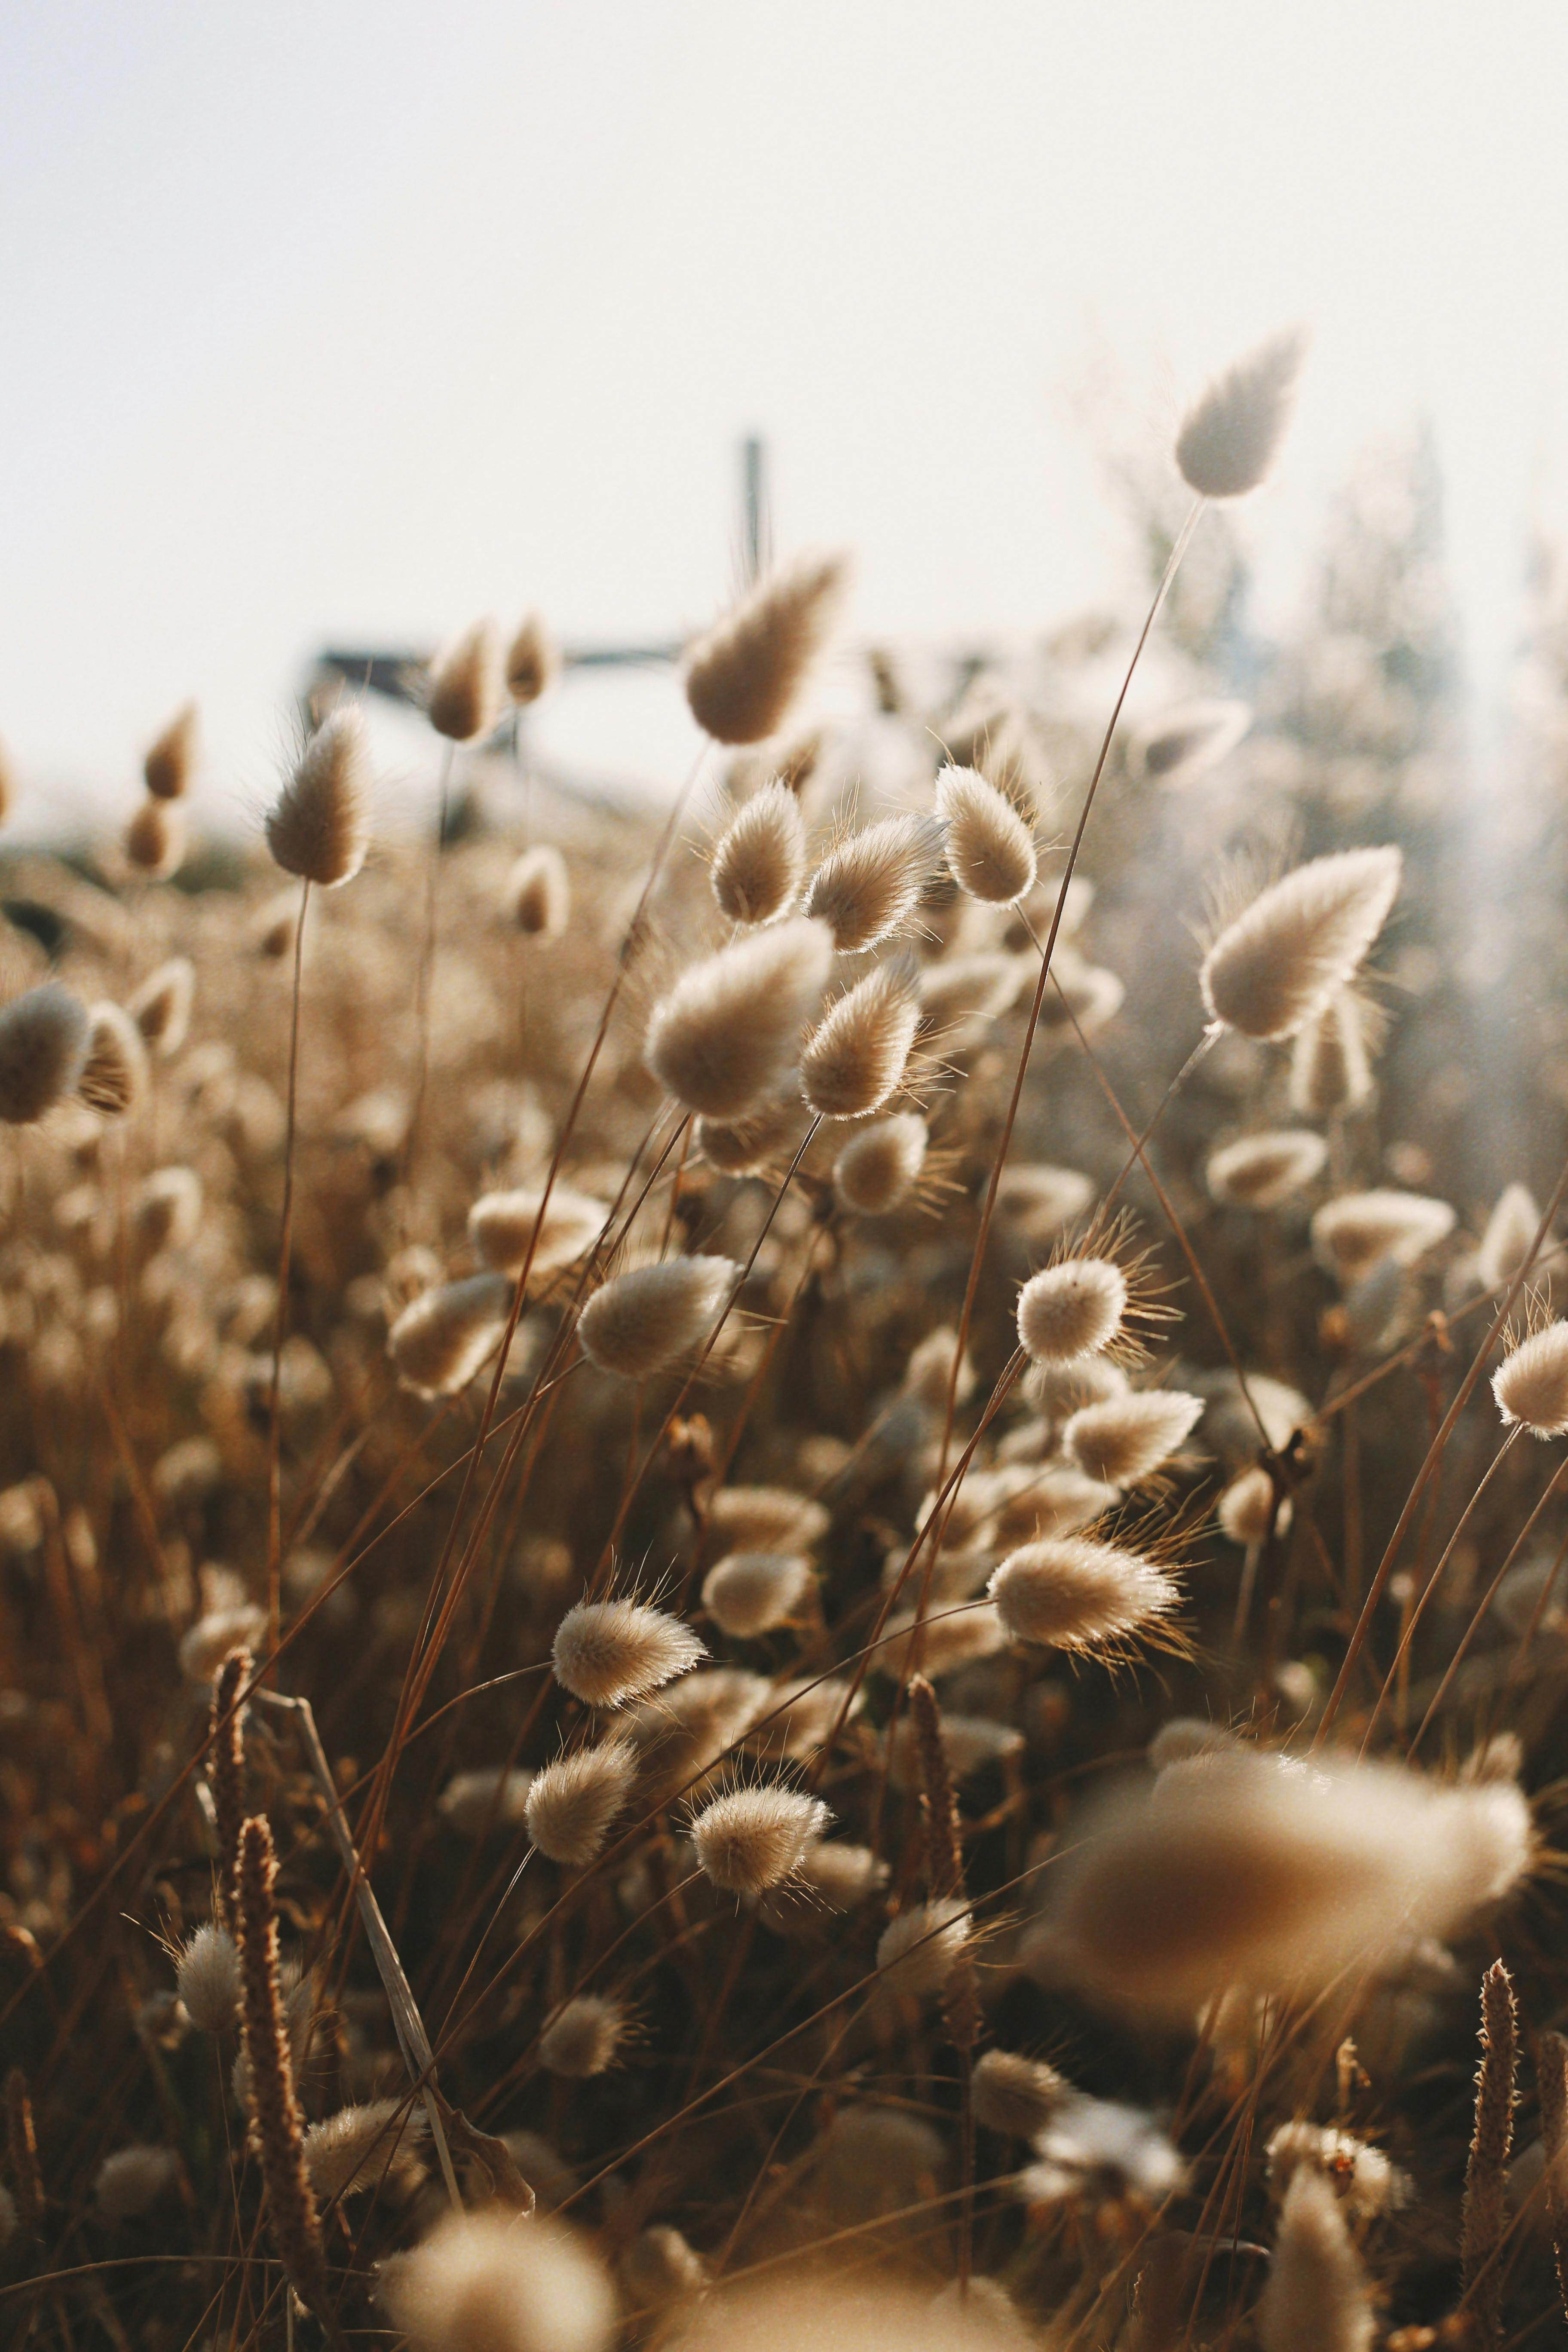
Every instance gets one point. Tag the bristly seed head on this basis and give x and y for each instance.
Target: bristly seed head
(114, 1074)
(752, 1839)
(1531, 1385)
(761, 857)
(532, 661)
(160, 1007)
(155, 838)
(572, 1801)
(1231, 435)
(1181, 745)
(318, 827)
(442, 1338)
(729, 1031)
(207, 1979)
(990, 849)
(583, 2039)
(1071, 1310)
(1331, 1063)
(917, 1952)
(870, 885)
(169, 761)
(463, 690)
(44, 1041)
(1260, 1170)
(742, 677)
(751, 1592)
(607, 1653)
(1070, 1593)
(505, 1226)
(1125, 1439)
(857, 1055)
(539, 893)
(878, 1169)
(1277, 965)
(651, 1316)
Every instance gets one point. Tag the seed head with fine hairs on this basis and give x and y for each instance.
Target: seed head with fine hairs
(765, 1518)
(608, 1653)
(1260, 1170)
(1485, 2175)
(751, 1592)
(1509, 1237)
(1280, 962)
(442, 1338)
(539, 893)
(651, 1316)
(162, 1007)
(463, 690)
(532, 661)
(1124, 1439)
(571, 1802)
(319, 827)
(1071, 1310)
(494, 2281)
(171, 760)
(1352, 1233)
(1317, 2298)
(45, 1036)
(869, 886)
(1531, 1385)
(583, 2039)
(918, 1951)
(742, 677)
(226, 1775)
(990, 849)
(761, 857)
(270, 2072)
(1231, 435)
(1247, 1510)
(752, 1839)
(114, 1074)
(750, 1146)
(856, 1058)
(511, 1230)
(878, 1169)
(1069, 1593)
(728, 1031)
(155, 838)
(207, 1979)
(1182, 745)
(361, 2148)
(1015, 2096)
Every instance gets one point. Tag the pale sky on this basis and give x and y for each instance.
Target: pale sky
(354, 319)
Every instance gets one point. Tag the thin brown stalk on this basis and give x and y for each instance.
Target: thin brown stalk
(281, 1322)
(225, 1778)
(22, 2153)
(1551, 2083)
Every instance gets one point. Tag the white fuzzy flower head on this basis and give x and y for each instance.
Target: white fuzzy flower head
(752, 1839)
(1300, 942)
(498, 2282)
(1231, 435)
(1531, 1385)
(1071, 1310)
(607, 1653)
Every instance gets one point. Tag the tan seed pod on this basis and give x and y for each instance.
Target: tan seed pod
(216, 1635)
(1182, 745)
(1013, 2094)
(1084, 993)
(870, 886)
(765, 1518)
(1124, 1441)
(114, 1074)
(972, 1742)
(361, 2148)
(856, 1057)
(929, 1374)
(1317, 2298)
(752, 1839)
(761, 857)
(947, 1640)
(1361, 2176)
(319, 827)
(798, 1717)
(727, 1033)
(878, 1169)
(917, 1952)
(167, 1210)
(752, 1145)
(1354, 1232)
(1510, 1232)
(442, 1338)
(572, 1801)
(1037, 1201)
(990, 850)
(539, 893)
(751, 1592)
(277, 925)
(490, 1796)
(694, 1722)
(132, 2180)
(493, 2281)
(742, 677)
(1260, 1170)
(1246, 1511)
(651, 1316)
(505, 1226)
(1071, 1310)
(1330, 1066)
(1299, 943)
(1062, 1390)
(155, 838)
(659, 2268)
(171, 760)
(1070, 1593)
(532, 661)
(962, 994)
(583, 2038)
(45, 1035)
(607, 1653)
(463, 684)
(1231, 435)
(207, 1979)
(1531, 1385)
(160, 1007)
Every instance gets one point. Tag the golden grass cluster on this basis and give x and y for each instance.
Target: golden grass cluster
(776, 1578)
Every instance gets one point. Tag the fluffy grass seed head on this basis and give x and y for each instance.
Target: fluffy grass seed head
(114, 1074)
(990, 849)
(155, 838)
(760, 861)
(583, 2038)
(1258, 1171)
(498, 2282)
(608, 1652)
(1013, 2094)
(132, 2180)
(1354, 1232)
(539, 893)
(765, 1518)
(1280, 962)
(442, 1338)
(207, 1979)
(1069, 1593)
(878, 1169)
(1124, 1439)
(162, 1007)
(918, 1951)
(45, 1034)
(1247, 1509)
(1231, 435)
(502, 1227)
(1531, 1385)
(751, 1839)
(319, 827)
(167, 1209)
(359, 2148)
(1330, 1061)
(532, 661)
(870, 886)
(742, 677)
(651, 1316)
(1070, 1309)
(1182, 745)
(489, 1797)
(463, 688)
(962, 995)
(1317, 2298)
(754, 1144)
(169, 761)
(856, 1057)
(572, 1801)
(728, 1032)
(751, 1592)
(1506, 1244)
